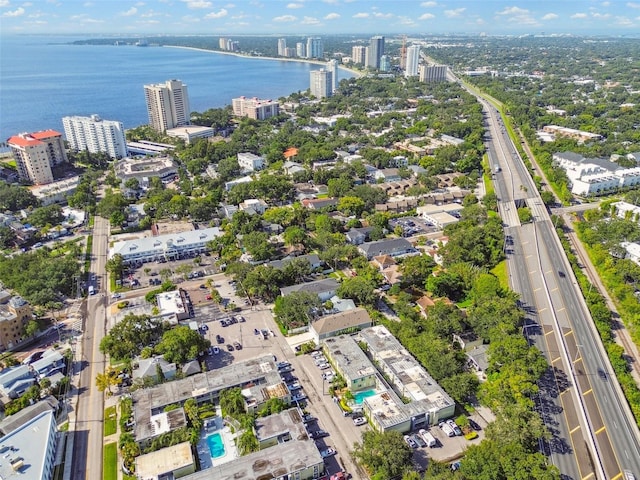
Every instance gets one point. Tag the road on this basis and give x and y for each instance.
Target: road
(88, 437)
(594, 434)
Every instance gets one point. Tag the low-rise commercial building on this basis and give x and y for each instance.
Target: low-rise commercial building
(56, 192)
(145, 168)
(258, 378)
(395, 247)
(166, 247)
(190, 133)
(172, 462)
(29, 451)
(14, 316)
(173, 306)
(426, 402)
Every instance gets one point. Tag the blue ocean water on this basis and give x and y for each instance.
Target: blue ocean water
(43, 79)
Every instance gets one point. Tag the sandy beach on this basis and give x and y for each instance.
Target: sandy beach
(355, 73)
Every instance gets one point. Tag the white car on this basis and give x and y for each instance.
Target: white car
(216, 350)
(410, 441)
(327, 453)
(116, 295)
(324, 366)
(357, 421)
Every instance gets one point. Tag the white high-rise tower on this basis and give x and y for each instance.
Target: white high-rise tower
(413, 60)
(167, 105)
(96, 135)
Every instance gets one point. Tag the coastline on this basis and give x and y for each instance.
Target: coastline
(355, 73)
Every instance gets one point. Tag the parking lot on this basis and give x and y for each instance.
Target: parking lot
(412, 226)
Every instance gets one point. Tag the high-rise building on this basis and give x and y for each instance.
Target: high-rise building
(376, 50)
(255, 108)
(96, 135)
(332, 67)
(222, 43)
(315, 47)
(320, 83)
(167, 105)
(282, 46)
(433, 73)
(385, 63)
(36, 154)
(413, 60)
(301, 50)
(290, 52)
(359, 54)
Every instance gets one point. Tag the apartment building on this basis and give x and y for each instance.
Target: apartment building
(167, 105)
(95, 135)
(250, 162)
(14, 316)
(432, 73)
(315, 47)
(320, 83)
(332, 67)
(359, 54)
(255, 108)
(375, 52)
(36, 154)
(413, 61)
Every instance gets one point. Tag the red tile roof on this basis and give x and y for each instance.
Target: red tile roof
(45, 134)
(30, 139)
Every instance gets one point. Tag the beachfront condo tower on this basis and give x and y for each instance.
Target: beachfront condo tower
(321, 83)
(376, 50)
(167, 105)
(95, 135)
(413, 60)
(36, 154)
(315, 47)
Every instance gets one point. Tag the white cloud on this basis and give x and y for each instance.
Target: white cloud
(294, 5)
(151, 14)
(332, 2)
(383, 15)
(18, 12)
(624, 22)
(580, 16)
(361, 15)
(454, 13)
(601, 16)
(197, 4)
(230, 5)
(513, 11)
(148, 22)
(310, 21)
(4, 3)
(88, 4)
(428, 4)
(222, 13)
(426, 16)
(550, 16)
(129, 13)
(332, 16)
(406, 21)
(27, 4)
(633, 5)
(92, 20)
(139, 4)
(605, 4)
(285, 18)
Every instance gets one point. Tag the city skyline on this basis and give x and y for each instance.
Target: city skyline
(319, 17)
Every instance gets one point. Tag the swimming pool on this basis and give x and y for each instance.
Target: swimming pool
(216, 446)
(360, 396)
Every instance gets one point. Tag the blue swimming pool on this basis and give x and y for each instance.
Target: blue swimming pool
(360, 396)
(216, 446)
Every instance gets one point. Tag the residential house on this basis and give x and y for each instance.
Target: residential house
(387, 175)
(14, 381)
(148, 368)
(253, 206)
(357, 236)
(314, 261)
(249, 162)
(290, 168)
(320, 203)
(333, 325)
(325, 288)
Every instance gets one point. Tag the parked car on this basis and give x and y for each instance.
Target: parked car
(307, 417)
(410, 441)
(240, 318)
(237, 345)
(357, 421)
(256, 331)
(418, 439)
(229, 347)
(298, 396)
(456, 428)
(294, 386)
(283, 364)
(318, 434)
(327, 452)
(446, 428)
(216, 350)
(338, 476)
(286, 370)
(324, 366)
(473, 424)
(116, 295)
(219, 339)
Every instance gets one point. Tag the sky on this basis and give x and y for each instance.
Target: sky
(318, 17)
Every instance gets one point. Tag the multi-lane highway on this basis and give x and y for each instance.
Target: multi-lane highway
(594, 434)
(88, 434)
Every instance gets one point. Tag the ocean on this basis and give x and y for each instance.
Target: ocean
(43, 79)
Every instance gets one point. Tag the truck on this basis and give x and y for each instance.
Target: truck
(92, 290)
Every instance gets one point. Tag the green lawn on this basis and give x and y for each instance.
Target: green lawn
(110, 461)
(110, 421)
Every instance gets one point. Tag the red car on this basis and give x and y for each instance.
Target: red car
(338, 476)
